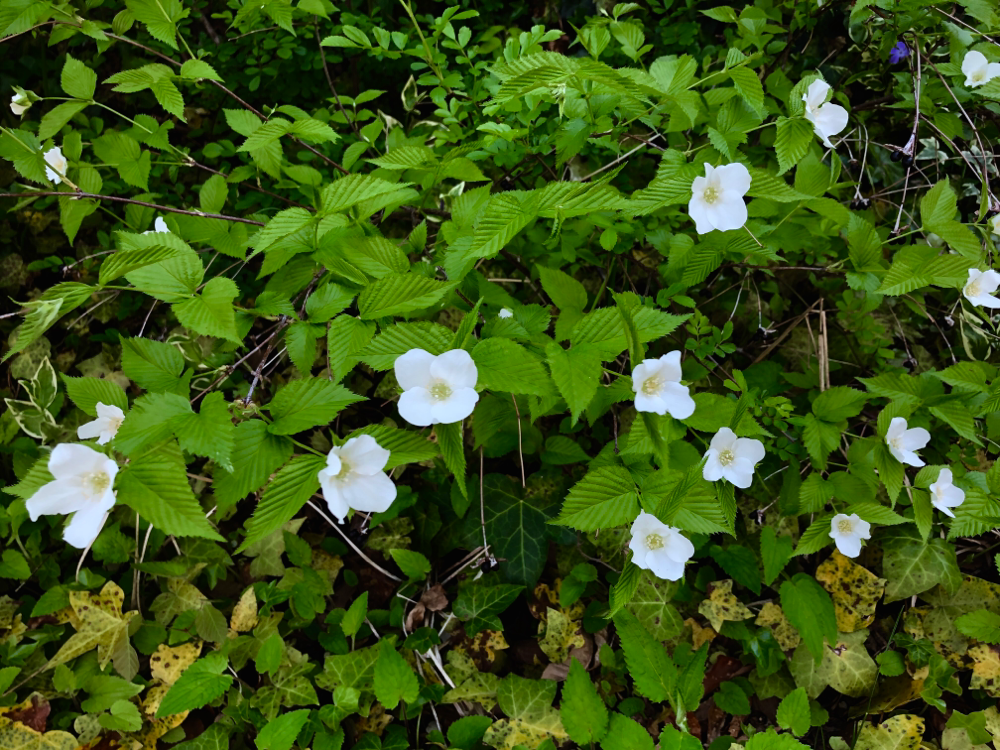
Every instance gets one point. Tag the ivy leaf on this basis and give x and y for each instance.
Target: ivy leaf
(99, 624)
(912, 566)
(394, 678)
(479, 603)
(516, 528)
(583, 712)
(809, 608)
(200, 684)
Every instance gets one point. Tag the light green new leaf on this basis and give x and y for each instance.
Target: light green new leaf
(86, 393)
(77, 80)
(200, 684)
(211, 313)
(280, 733)
(982, 625)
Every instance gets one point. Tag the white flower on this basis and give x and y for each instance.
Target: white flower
(981, 286)
(105, 427)
(732, 458)
(19, 104)
(904, 443)
(827, 118)
(56, 165)
(505, 313)
(944, 494)
(83, 486)
(657, 387)
(659, 548)
(978, 70)
(436, 390)
(847, 533)
(353, 478)
(160, 225)
(717, 198)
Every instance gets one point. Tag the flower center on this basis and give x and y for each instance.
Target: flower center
(726, 457)
(972, 288)
(654, 541)
(345, 469)
(711, 195)
(97, 482)
(440, 391)
(652, 386)
(896, 443)
(844, 526)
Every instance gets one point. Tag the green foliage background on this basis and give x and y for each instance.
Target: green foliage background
(342, 184)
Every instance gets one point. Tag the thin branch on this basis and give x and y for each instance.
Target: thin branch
(329, 80)
(351, 544)
(117, 199)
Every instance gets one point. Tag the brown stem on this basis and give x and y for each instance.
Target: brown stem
(329, 80)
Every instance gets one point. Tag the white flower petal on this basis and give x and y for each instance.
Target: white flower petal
(750, 449)
(70, 460)
(60, 497)
(712, 471)
(848, 545)
(676, 399)
(334, 500)
(650, 404)
(663, 567)
(739, 472)
(364, 455)
(413, 369)
(90, 430)
(830, 120)
(728, 212)
(815, 95)
(734, 178)
(896, 428)
(160, 225)
(416, 406)
(84, 527)
(698, 211)
(456, 407)
(723, 439)
(973, 61)
(677, 547)
(914, 439)
(369, 493)
(670, 364)
(456, 368)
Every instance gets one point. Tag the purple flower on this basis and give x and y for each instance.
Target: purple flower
(899, 53)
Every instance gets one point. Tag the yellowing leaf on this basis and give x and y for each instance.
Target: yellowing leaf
(507, 734)
(903, 732)
(854, 590)
(722, 605)
(17, 736)
(99, 624)
(699, 635)
(167, 664)
(154, 728)
(561, 634)
(847, 667)
(244, 617)
(985, 669)
(772, 616)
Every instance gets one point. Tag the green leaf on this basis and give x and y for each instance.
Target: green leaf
(504, 217)
(54, 120)
(449, 437)
(404, 446)
(731, 699)
(651, 604)
(394, 678)
(626, 734)
(413, 564)
(650, 666)
(809, 608)
(839, 403)
(771, 740)
(920, 266)
(307, 403)
(604, 498)
(290, 489)
(281, 733)
(127, 260)
(982, 625)
(794, 713)
(150, 420)
(584, 714)
(211, 313)
(506, 366)
(396, 340)
(794, 136)
(160, 18)
(200, 684)
(399, 293)
(155, 366)
(155, 486)
(775, 552)
(748, 84)
(197, 70)
(13, 565)
(577, 373)
(208, 433)
(86, 393)
(77, 79)
(516, 528)
(625, 587)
